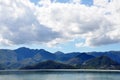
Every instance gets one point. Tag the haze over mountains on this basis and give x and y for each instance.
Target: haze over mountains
(25, 58)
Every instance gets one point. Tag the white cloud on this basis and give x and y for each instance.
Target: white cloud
(100, 3)
(79, 45)
(51, 22)
(18, 24)
(44, 2)
(75, 1)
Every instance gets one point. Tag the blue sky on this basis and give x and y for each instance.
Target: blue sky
(61, 26)
(86, 2)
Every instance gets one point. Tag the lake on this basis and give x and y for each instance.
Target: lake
(59, 75)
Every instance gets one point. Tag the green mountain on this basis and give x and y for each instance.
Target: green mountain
(50, 65)
(41, 59)
(79, 59)
(102, 62)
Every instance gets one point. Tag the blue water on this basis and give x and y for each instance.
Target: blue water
(60, 75)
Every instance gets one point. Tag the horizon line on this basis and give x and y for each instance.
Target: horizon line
(58, 50)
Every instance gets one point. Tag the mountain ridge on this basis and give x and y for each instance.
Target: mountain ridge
(23, 57)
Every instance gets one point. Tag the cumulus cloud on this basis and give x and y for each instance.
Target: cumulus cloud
(52, 22)
(18, 24)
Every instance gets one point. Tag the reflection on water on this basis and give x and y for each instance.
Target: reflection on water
(59, 76)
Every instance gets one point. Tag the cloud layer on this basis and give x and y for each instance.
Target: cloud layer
(51, 22)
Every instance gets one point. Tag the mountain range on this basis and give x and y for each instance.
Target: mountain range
(26, 58)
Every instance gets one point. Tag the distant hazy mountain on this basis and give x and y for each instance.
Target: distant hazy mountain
(24, 57)
(23, 53)
(14, 59)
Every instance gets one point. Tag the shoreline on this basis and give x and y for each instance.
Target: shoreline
(61, 70)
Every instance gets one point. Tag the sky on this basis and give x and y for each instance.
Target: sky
(60, 25)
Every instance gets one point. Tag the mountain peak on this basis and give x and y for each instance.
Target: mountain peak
(59, 53)
(22, 48)
(84, 55)
(43, 51)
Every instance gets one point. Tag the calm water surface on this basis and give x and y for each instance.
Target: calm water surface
(60, 75)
